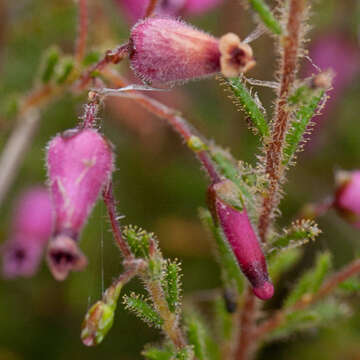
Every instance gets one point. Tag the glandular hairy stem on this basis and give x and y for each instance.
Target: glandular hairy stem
(290, 43)
(171, 324)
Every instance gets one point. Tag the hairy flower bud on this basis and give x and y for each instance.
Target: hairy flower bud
(242, 239)
(79, 163)
(31, 229)
(100, 317)
(347, 198)
(165, 50)
(97, 323)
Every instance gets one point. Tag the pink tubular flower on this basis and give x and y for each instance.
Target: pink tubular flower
(31, 229)
(164, 50)
(79, 163)
(242, 239)
(135, 9)
(347, 197)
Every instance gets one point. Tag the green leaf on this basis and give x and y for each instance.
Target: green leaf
(306, 100)
(196, 336)
(91, 58)
(311, 281)
(229, 193)
(142, 309)
(249, 106)
(224, 320)
(10, 105)
(138, 240)
(50, 60)
(282, 262)
(231, 273)
(65, 69)
(155, 268)
(299, 233)
(351, 285)
(185, 353)
(172, 285)
(157, 354)
(319, 315)
(199, 337)
(266, 15)
(245, 179)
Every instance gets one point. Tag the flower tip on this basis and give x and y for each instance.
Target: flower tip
(265, 291)
(89, 341)
(63, 256)
(97, 323)
(236, 56)
(16, 262)
(342, 178)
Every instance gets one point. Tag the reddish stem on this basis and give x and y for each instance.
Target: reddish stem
(151, 7)
(82, 31)
(109, 200)
(245, 345)
(110, 57)
(90, 112)
(173, 118)
(288, 69)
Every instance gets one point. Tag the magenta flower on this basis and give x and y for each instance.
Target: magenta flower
(197, 7)
(347, 198)
(31, 229)
(164, 50)
(242, 239)
(79, 163)
(135, 9)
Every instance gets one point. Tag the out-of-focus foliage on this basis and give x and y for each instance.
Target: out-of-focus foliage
(159, 185)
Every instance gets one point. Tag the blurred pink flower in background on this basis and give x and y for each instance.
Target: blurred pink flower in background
(135, 9)
(198, 7)
(347, 197)
(31, 229)
(334, 51)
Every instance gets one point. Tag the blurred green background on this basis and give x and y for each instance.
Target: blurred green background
(158, 183)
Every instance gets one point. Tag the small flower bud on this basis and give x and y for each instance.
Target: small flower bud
(242, 239)
(97, 323)
(165, 50)
(100, 317)
(347, 197)
(31, 229)
(79, 162)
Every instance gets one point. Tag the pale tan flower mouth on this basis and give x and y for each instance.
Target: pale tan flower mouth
(236, 57)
